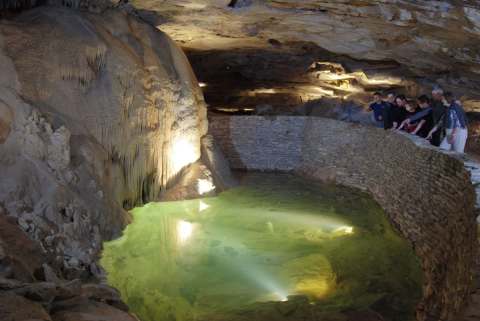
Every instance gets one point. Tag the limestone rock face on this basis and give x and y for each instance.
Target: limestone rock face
(97, 113)
(399, 44)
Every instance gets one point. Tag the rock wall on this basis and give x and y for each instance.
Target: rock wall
(91, 5)
(435, 40)
(98, 112)
(31, 290)
(427, 195)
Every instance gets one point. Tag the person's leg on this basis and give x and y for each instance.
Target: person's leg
(445, 144)
(460, 140)
(373, 120)
(436, 138)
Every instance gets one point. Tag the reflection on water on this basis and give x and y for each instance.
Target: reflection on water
(275, 239)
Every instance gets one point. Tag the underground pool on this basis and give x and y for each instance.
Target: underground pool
(275, 248)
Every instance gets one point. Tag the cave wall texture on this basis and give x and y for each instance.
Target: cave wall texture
(98, 112)
(325, 58)
(427, 195)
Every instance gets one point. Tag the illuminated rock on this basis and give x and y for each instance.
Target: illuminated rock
(424, 42)
(97, 113)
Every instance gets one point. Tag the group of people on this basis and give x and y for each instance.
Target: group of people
(439, 119)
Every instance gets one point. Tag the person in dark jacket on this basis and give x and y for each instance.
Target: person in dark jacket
(438, 110)
(399, 112)
(377, 107)
(411, 109)
(454, 121)
(387, 111)
(422, 120)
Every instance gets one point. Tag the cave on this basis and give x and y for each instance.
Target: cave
(222, 160)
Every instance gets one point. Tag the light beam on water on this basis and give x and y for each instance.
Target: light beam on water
(212, 258)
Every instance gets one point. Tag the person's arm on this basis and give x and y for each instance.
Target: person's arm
(404, 123)
(420, 114)
(436, 127)
(451, 137)
(430, 134)
(419, 126)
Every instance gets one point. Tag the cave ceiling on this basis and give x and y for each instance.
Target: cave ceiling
(411, 42)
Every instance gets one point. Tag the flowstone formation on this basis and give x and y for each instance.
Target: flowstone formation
(98, 112)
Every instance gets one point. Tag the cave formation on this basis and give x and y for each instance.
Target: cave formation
(105, 105)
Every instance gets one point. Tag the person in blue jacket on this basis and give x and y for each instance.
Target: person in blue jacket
(377, 108)
(454, 121)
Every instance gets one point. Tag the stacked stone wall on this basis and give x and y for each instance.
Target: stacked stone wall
(427, 194)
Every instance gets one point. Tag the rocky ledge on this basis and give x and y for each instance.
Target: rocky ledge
(30, 288)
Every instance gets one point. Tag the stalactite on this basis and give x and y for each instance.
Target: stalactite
(143, 138)
(84, 69)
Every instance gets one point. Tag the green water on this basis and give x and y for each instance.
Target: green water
(276, 248)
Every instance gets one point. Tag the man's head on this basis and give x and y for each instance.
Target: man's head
(391, 98)
(400, 100)
(423, 101)
(377, 97)
(437, 93)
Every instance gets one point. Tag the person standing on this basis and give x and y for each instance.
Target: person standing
(387, 111)
(438, 110)
(454, 121)
(411, 109)
(399, 113)
(422, 120)
(377, 107)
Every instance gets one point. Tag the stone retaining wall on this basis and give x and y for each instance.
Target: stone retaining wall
(427, 194)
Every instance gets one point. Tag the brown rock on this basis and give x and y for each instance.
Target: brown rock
(16, 308)
(21, 256)
(104, 293)
(93, 311)
(43, 292)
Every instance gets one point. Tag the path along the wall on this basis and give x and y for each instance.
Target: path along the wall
(427, 194)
